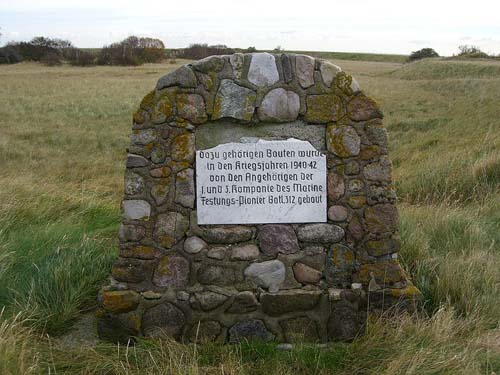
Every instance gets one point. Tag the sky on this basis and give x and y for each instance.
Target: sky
(383, 26)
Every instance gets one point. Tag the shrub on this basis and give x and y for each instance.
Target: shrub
(471, 52)
(52, 58)
(423, 53)
(251, 50)
(39, 47)
(132, 51)
(77, 57)
(199, 51)
(9, 55)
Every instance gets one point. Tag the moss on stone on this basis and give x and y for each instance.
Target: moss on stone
(120, 301)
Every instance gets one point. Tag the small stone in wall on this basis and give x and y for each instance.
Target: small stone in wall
(323, 233)
(184, 188)
(278, 239)
(131, 233)
(209, 64)
(243, 302)
(143, 137)
(335, 186)
(217, 275)
(379, 171)
(324, 108)
(218, 253)
(289, 300)
(194, 245)
(287, 67)
(383, 246)
(269, 275)
(208, 300)
(263, 71)
(328, 72)
(381, 218)
(236, 60)
(304, 69)
(342, 140)
(182, 77)
(245, 252)
(136, 209)
(172, 271)
(134, 161)
(234, 101)
(227, 235)
(120, 301)
(248, 330)
(134, 183)
(337, 213)
(305, 274)
(362, 108)
(164, 319)
(191, 107)
(170, 228)
(183, 148)
(160, 190)
(279, 105)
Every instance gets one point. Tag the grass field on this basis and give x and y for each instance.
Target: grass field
(63, 135)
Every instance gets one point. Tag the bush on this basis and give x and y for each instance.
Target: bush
(9, 55)
(200, 51)
(40, 47)
(132, 51)
(471, 52)
(77, 57)
(51, 59)
(424, 53)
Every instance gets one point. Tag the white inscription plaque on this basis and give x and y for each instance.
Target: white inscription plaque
(262, 182)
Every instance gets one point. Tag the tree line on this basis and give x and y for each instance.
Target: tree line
(52, 51)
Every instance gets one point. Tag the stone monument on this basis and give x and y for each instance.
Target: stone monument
(258, 204)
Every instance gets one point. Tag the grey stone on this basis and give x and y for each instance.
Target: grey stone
(134, 209)
(183, 77)
(328, 72)
(191, 107)
(143, 137)
(244, 252)
(343, 141)
(351, 168)
(182, 295)
(132, 233)
(134, 183)
(355, 86)
(305, 274)
(270, 274)
(355, 185)
(209, 300)
(277, 239)
(243, 302)
(183, 147)
(134, 161)
(172, 271)
(289, 300)
(287, 68)
(377, 134)
(284, 347)
(263, 71)
(209, 64)
(160, 190)
(304, 69)
(279, 105)
(150, 295)
(227, 234)
(217, 275)
(379, 171)
(218, 253)
(158, 154)
(164, 319)
(249, 330)
(234, 101)
(170, 228)
(204, 332)
(337, 213)
(323, 233)
(236, 60)
(335, 186)
(184, 188)
(194, 245)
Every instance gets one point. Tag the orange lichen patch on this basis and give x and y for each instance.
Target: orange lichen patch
(388, 272)
(357, 201)
(343, 81)
(120, 301)
(369, 152)
(148, 101)
(140, 252)
(138, 117)
(183, 148)
(410, 292)
(160, 172)
(324, 108)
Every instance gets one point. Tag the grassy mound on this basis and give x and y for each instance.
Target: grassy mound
(436, 69)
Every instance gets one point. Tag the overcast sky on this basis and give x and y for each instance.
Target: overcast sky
(386, 26)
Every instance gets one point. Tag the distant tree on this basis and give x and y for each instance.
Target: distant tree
(251, 49)
(423, 53)
(39, 47)
(78, 57)
(132, 51)
(51, 59)
(471, 52)
(198, 51)
(9, 55)
(278, 49)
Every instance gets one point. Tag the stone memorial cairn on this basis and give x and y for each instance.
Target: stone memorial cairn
(285, 282)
